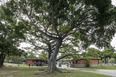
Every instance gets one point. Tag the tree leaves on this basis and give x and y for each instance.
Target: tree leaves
(88, 21)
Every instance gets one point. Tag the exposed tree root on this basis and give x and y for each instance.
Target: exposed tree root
(58, 70)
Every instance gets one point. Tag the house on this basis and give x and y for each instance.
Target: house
(82, 62)
(34, 62)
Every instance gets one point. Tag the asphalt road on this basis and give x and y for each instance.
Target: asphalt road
(99, 71)
(107, 72)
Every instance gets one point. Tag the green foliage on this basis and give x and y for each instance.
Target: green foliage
(114, 56)
(75, 58)
(11, 33)
(92, 20)
(107, 53)
(15, 59)
(88, 61)
(69, 50)
(9, 41)
(103, 55)
(60, 64)
(31, 55)
(92, 52)
(43, 56)
(112, 60)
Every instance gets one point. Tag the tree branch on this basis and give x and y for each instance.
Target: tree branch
(80, 19)
(51, 37)
(67, 55)
(55, 27)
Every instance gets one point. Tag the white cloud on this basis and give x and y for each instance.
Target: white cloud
(114, 2)
(113, 42)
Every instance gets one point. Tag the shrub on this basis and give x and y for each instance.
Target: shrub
(88, 60)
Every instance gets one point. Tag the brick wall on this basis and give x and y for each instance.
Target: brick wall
(94, 61)
(30, 62)
(83, 61)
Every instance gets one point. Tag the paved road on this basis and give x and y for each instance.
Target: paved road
(107, 72)
(99, 71)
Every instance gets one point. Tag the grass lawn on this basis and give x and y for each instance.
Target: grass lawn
(15, 65)
(113, 67)
(30, 72)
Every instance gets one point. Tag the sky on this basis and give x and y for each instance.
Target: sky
(114, 2)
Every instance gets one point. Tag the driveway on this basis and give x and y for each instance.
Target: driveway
(99, 71)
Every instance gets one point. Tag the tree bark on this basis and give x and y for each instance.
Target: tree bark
(2, 57)
(52, 61)
(105, 60)
(49, 51)
(49, 54)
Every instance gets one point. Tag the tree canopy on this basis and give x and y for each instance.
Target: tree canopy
(90, 21)
(11, 34)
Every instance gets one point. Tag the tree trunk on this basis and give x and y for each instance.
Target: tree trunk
(49, 54)
(105, 60)
(49, 51)
(2, 57)
(52, 61)
(115, 59)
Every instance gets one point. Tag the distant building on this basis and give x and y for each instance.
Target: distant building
(33, 62)
(82, 62)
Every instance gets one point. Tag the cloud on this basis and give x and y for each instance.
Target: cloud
(114, 2)
(113, 42)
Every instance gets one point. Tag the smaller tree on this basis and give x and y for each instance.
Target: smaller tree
(112, 60)
(92, 52)
(106, 54)
(30, 55)
(114, 56)
(11, 34)
(43, 56)
(16, 59)
(88, 61)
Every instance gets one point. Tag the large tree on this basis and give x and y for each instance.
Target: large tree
(92, 21)
(9, 42)
(11, 34)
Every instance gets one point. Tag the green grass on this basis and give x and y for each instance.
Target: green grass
(15, 65)
(30, 72)
(104, 67)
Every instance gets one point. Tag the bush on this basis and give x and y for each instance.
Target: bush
(60, 64)
(88, 60)
(112, 60)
